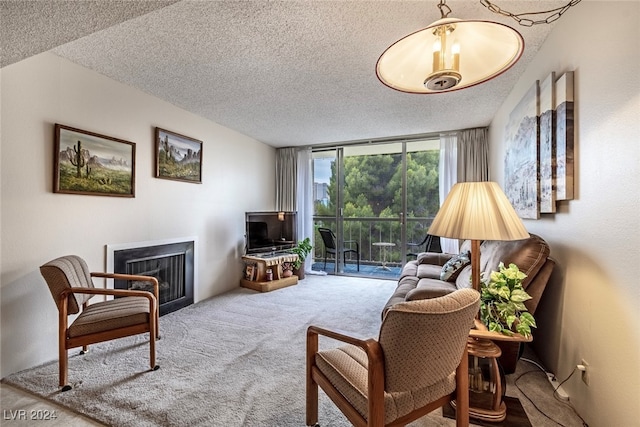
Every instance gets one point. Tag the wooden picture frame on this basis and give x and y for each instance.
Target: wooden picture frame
(250, 272)
(178, 157)
(93, 164)
(522, 155)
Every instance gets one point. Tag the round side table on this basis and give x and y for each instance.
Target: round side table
(486, 385)
(383, 248)
(486, 378)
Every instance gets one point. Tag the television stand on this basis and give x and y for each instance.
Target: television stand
(261, 263)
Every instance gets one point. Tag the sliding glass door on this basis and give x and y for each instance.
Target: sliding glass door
(373, 204)
(375, 198)
(422, 192)
(326, 210)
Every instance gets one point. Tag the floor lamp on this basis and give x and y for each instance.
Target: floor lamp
(481, 211)
(477, 211)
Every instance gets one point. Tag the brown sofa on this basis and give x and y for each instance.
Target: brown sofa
(420, 279)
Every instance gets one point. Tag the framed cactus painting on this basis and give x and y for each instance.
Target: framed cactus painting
(178, 157)
(93, 164)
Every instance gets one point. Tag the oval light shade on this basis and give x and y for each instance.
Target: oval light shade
(486, 49)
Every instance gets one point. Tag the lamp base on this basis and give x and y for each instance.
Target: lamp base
(442, 80)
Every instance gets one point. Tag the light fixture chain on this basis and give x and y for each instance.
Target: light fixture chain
(444, 9)
(554, 14)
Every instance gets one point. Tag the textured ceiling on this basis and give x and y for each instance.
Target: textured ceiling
(283, 72)
(29, 27)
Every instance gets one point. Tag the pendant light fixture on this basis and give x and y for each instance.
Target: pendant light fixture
(449, 54)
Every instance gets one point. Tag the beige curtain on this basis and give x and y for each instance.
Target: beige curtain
(448, 175)
(473, 155)
(286, 179)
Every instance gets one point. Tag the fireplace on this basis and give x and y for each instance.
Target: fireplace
(171, 262)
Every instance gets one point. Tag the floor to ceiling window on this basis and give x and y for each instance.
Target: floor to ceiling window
(374, 199)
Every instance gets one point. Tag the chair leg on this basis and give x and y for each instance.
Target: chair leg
(312, 402)
(63, 362)
(153, 326)
(158, 322)
(312, 386)
(325, 260)
(85, 349)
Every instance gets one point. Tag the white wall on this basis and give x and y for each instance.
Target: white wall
(38, 225)
(590, 309)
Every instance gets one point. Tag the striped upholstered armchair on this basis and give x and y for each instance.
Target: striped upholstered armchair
(71, 286)
(418, 364)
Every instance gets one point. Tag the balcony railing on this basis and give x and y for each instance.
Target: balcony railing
(369, 231)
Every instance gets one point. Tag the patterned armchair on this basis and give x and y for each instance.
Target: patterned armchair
(418, 364)
(71, 286)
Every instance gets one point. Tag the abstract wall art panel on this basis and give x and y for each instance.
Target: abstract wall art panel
(522, 157)
(547, 145)
(564, 136)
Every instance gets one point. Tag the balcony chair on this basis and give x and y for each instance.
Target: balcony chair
(329, 240)
(132, 313)
(431, 244)
(419, 363)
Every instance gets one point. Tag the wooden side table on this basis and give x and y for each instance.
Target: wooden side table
(485, 394)
(485, 399)
(261, 264)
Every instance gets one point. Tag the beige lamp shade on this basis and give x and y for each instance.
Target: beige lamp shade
(478, 211)
(448, 55)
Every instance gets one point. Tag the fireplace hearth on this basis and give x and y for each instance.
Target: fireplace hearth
(171, 263)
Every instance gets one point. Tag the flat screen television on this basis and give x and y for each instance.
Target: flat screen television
(270, 231)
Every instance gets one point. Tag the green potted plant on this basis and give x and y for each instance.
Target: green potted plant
(302, 249)
(502, 299)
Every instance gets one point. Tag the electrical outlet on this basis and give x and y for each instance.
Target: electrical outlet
(585, 373)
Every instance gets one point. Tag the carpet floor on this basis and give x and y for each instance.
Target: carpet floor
(516, 416)
(237, 359)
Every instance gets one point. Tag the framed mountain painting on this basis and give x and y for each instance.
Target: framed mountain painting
(178, 157)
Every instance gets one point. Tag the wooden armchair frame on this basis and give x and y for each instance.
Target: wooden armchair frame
(65, 342)
(138, 278)
(375, 386)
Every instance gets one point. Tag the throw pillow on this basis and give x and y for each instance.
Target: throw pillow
(454, 266)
